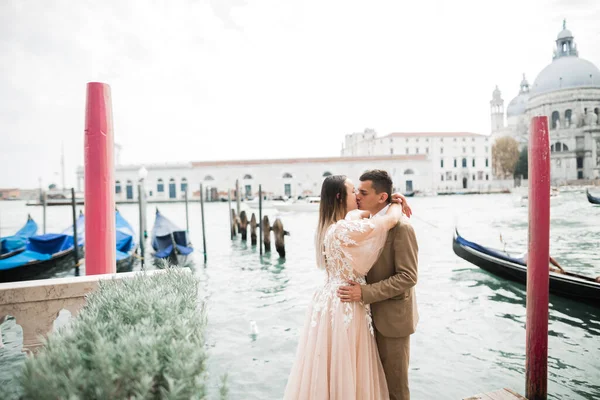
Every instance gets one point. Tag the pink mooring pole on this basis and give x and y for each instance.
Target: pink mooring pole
(100, 239)
(536, 364)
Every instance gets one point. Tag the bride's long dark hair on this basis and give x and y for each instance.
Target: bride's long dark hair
(332, 208)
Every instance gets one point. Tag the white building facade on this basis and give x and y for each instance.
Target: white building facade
(457, 160)
(278, 177)
(567, 91)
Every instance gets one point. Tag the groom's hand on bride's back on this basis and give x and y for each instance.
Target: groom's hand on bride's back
(350, 293)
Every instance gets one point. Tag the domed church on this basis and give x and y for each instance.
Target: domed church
(567, 91)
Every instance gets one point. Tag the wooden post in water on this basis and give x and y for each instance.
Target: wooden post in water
(142, 239)
(75, 240)
(230, 220)
(260, 228)
(266, 230)
(279, 234)
(187, 215)
(100, 234)
(237, 196)
(44, 206)
(234, 231)
(244, 226)
(253, 230)
(538, 276)
(203, 229)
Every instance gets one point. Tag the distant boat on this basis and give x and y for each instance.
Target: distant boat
(409, 194)
(253, 204)
(58, 198)
(15, 244)
(592, 199)
(170, 242)
(308, 204)
(126, 244)
(44, 255)
(502, 264)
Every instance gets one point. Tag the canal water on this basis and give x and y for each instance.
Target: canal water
(471, 335)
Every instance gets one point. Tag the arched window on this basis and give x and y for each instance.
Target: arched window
(118, 187)
(247, 176)
(160, 186)
(287, 175)
(327, 173)
(464, 163)
(209, 178)
(172, 188)
(558, 146)
(409, 172)
(129, 188)
(183, 184)
(552, 149)
(568, 115)
(565, 148)
(555, 119)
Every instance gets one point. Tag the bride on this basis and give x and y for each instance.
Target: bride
(337, 354)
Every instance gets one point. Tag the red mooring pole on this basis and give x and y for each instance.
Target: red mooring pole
(100, 235)
(536, 363)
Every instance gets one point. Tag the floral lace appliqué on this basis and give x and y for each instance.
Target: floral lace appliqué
(339, 272)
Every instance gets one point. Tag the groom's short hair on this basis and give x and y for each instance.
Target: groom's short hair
(381, 181)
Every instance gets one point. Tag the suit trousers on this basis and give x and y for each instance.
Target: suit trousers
(395, 357)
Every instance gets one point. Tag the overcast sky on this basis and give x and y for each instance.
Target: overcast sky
(232, 79)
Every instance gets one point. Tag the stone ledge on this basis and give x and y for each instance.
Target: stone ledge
(35, 305)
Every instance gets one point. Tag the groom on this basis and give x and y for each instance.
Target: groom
(390, 286)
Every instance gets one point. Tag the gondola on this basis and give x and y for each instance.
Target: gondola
(592, 199)
(502, 264)
(170, 243)
(126, 244)
(409, 194)
(15, 244)
(44, 255)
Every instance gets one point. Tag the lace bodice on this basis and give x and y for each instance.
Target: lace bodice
(337, 240)
(351, 247)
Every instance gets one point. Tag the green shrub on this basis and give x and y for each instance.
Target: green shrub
(139, 338)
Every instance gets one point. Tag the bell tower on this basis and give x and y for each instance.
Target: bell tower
(497, 110)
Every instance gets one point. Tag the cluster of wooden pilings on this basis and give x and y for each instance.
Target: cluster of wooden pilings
(239, 222)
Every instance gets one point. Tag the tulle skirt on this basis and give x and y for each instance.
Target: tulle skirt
(337, 356)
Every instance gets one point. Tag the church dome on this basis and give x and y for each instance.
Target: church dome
(518, 105)
(564, 73)
(567, 70)
(565, 33)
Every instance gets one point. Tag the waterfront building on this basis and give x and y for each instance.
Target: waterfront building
(567, 91)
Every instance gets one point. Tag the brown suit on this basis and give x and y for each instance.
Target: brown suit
(391, 293)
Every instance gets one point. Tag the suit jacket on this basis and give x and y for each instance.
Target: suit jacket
(390, 283)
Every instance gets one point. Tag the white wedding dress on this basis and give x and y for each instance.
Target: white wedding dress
(337, 357)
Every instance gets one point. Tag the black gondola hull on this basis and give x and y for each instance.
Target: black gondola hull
(174, 259)
(60, 262)
(592, 199)
(126, 264)
(561, 285)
